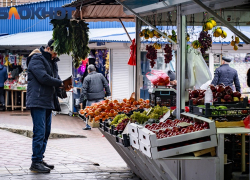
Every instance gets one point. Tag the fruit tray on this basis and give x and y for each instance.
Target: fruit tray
(150, 139)
(134, 142)
(207, 111)
(91, 122)
(133, 129)
(179, 148)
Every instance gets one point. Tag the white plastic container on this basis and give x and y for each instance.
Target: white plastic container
(209, 96)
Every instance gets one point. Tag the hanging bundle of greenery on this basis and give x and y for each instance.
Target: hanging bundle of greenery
(62, 36)
(80, 40)
(71, 36)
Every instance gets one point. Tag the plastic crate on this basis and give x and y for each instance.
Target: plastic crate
(234, 110)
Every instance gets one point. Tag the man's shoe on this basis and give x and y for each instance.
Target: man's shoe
(48, 165)
(87, 128)
(38, 167)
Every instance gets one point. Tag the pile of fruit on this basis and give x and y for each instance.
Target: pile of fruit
(225, 93)
(118, 119)
(168, 53)
(173, 36)
(172, 127)
(218, 32)
(209, 24)
(205, 41)
(151, 55)
(155, 114)
(122, 125)
(146, 33)
(220, 91)
(234, 42)
(109, 109)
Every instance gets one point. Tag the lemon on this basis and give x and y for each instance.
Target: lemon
(165, 34)
(213, 22)
(209, 26)
(151, 34)
(216, 34)
(155, 32)
(224, 34)
(235, 47)
(232, 43)
(141, 34)
(237, 40)
(218, 31)
(146, 36)
(143, 31)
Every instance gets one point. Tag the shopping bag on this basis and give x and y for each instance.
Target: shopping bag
(158, 78)
(132, 59)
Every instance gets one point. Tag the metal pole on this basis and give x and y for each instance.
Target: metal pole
(181, 62)
(223, 21)
(138, 59)
(125, 30)
(146, 22)
(243, 153)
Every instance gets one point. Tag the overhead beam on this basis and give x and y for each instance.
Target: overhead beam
(146, 22)
(194, 8)
(223, 21)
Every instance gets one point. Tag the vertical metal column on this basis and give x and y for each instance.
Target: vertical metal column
(181, 61)
(138, 59)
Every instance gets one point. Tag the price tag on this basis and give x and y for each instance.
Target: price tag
(200, 110)
(149, 111)
(165, 117)
(184, 124)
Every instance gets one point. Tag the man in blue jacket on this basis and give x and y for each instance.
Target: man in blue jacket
(93, 88)
(226, 75)
(43, 80)
(3, 78)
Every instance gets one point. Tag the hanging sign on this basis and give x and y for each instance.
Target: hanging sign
(24, 60)
(12, 59)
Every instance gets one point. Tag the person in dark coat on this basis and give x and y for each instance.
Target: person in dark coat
(226, 75)
(43, 80)
(3, 78)
(93, 88)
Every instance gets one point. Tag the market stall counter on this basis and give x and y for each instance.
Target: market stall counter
(13, 104)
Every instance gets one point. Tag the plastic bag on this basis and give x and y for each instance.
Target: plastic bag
(247, 122)
(158, 78)
(132, 59)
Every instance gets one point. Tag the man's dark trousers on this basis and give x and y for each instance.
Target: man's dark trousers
(41, 130)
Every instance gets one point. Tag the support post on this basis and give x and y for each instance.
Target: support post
(181, 62)
(138, 59)
(243, 153)
(125, 29)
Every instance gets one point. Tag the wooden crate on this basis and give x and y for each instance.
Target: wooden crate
(229, 124)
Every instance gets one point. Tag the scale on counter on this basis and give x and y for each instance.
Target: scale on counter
(162, 96)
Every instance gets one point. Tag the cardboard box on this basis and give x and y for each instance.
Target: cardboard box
(133, 129)
(134, 142)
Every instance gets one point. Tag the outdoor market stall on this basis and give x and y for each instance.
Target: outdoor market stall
(149, 139)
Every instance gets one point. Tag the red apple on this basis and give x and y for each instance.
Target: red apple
(220, 88)
(212, 87)
(195, 93)
(237, 94)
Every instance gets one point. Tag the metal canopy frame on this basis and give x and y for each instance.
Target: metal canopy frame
(229, 26)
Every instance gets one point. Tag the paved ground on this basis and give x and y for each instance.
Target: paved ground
(73, 157)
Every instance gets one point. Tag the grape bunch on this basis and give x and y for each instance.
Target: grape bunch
(205, 41)
(168, 53)
(121, 126)
(151, 55)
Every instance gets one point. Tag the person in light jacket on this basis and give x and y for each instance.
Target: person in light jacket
(226, 75)
(93, 88)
